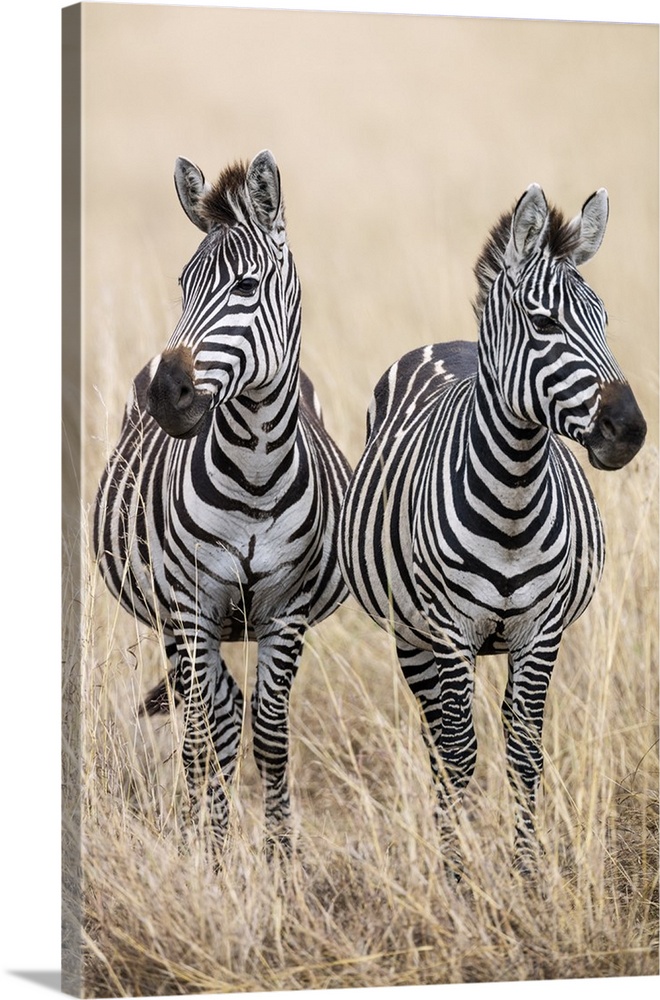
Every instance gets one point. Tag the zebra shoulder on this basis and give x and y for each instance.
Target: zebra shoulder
(418, 374)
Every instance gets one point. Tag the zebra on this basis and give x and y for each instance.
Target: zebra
(469, 527)
(216, 518)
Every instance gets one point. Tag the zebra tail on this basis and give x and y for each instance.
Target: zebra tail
(160, 698)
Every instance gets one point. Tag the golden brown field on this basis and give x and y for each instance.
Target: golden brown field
(400, 140)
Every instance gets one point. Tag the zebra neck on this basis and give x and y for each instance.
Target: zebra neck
(502, 448)
(258, 434)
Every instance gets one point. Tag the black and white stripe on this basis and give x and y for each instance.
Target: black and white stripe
(217, 515)
(469, 527)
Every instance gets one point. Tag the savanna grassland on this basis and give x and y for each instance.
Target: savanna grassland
(400, 140)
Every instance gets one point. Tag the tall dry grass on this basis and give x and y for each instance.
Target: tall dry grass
(364, 901)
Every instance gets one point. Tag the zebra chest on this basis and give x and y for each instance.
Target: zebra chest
(257, 565)
(500, 578)
(490, 571)
(497, 595)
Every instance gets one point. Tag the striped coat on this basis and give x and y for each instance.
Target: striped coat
(469, 527)
(216, 518)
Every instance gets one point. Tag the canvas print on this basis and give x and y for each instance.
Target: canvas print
(360, 397)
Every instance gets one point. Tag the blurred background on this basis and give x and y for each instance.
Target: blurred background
(400, 140)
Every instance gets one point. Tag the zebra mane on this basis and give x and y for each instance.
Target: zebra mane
(561, 239)
(226, 202)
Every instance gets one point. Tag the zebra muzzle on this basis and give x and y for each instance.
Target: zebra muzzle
(619, 429)
(172, 399)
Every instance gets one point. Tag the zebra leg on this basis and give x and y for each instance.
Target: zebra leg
(442, 680)
(278, 659)
(522, 719)
(213, 713)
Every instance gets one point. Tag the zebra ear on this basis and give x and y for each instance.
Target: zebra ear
(264, 191)
(591, 224)
(190, 187)
(527, 225)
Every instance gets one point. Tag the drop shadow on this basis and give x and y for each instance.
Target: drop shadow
(49, 980)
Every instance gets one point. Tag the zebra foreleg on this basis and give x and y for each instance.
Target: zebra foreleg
(213, 712)
(278, 659)
(442, 680)
(522, 720)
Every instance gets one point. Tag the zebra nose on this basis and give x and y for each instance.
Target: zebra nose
(172, 387)
(620, 428)
(172, 399)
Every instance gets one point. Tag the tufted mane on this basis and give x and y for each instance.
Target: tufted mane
(561, 240)
(225, 202)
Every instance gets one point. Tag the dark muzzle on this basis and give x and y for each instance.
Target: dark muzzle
(172, 399)
(619, 429)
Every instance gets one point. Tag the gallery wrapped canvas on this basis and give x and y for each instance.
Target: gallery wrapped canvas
(263, 211)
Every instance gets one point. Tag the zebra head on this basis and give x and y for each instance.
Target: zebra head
(240, 318)
(543, 329)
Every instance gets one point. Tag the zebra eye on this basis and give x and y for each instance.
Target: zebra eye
(246, 286)
(544, 324)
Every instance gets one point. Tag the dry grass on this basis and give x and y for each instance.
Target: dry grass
(365, 901)
(392, 174)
